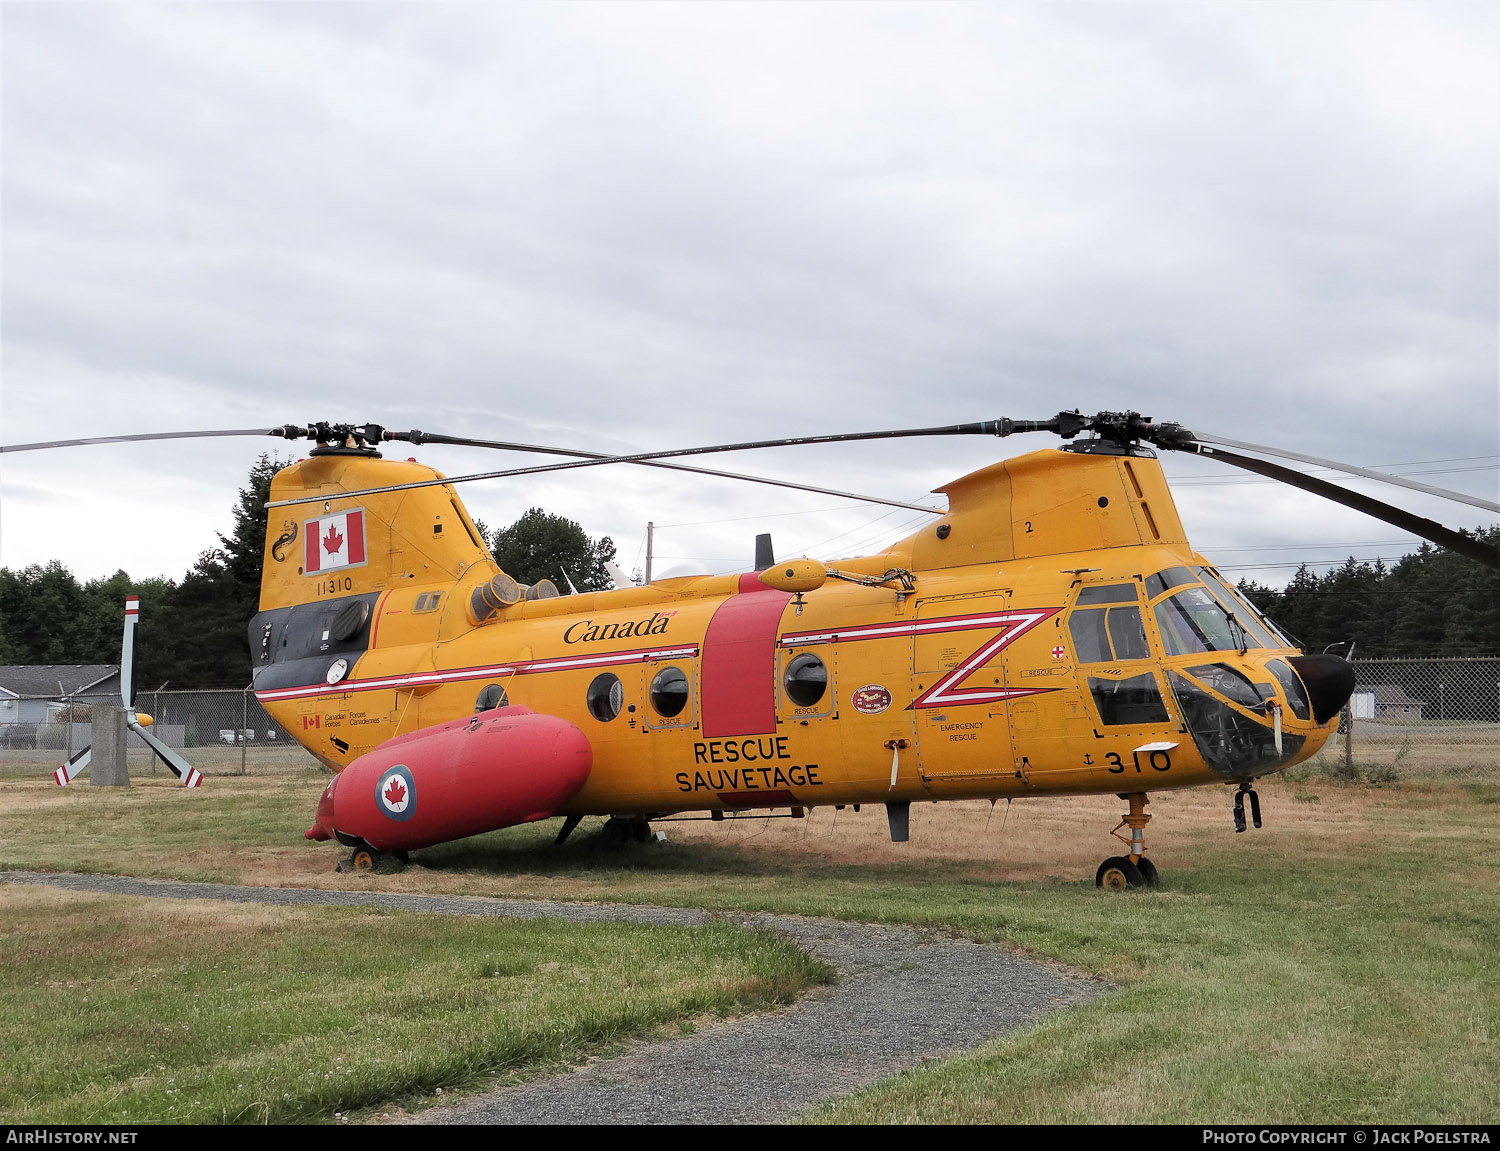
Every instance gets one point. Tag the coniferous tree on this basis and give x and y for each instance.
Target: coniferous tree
(213, 604)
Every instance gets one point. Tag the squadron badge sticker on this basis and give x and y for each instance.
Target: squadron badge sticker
(872, 699)
(396, 794)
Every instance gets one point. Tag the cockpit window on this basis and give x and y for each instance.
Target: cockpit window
(1290, 684)
(1104, 634)
(1231, 683)
(1127, 634)
(1244, 613)
(1168, 578)
(1108, 593)
(1133, 702)
(1192, 621)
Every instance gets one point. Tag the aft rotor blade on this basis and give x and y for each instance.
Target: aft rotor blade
(595, 462)
(588, 458)
(178, 766)
(137, 438)
(1351, 469)
(1429, 530)
(1001, 427)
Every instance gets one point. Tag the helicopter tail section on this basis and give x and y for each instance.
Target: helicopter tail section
(375, 580)
(329, 546)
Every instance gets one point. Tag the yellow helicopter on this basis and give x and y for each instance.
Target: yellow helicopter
(1052, 632)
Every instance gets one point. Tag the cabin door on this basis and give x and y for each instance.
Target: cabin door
(958, 680)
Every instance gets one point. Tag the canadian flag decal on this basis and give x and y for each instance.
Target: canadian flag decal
(333, 542)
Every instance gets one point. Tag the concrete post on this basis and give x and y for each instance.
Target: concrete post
(107, 761)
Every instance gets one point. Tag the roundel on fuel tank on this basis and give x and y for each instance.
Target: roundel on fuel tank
(396, 793)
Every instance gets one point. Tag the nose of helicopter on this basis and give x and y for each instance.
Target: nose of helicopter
(1329, 680)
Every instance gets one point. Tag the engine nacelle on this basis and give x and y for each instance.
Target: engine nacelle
(491, 770)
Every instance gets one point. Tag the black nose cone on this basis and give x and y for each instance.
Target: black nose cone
(1329, 680)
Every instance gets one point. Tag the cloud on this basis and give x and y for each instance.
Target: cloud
(622, 228)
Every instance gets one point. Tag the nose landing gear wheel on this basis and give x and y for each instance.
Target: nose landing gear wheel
(1133, 870)
(1117, 873)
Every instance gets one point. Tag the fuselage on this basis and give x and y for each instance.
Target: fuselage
(1055, 633)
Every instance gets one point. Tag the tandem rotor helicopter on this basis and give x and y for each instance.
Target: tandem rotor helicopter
(1053, 632)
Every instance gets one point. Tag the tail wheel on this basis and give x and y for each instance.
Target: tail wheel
(363, 859)
(1117, 873)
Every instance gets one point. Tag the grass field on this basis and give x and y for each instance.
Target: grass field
(123, 1010)
(1336, 966)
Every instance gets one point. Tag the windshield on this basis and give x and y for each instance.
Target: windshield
(1265, 632)
(1193, 621)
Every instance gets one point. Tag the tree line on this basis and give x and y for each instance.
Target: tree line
(192, 632)
(1432, 602)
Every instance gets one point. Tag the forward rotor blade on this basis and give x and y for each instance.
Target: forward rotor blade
(133, 439)
(68, 772)
(1351, 469)
(1429, 530)
(178, 766)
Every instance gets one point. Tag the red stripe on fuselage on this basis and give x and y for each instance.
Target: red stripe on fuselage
(737, 669)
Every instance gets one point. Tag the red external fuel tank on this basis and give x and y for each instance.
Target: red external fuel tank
(494, 769)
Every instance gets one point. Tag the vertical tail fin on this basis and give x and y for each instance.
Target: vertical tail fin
(335, 546)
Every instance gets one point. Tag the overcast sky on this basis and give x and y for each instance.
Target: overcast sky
(624, 227)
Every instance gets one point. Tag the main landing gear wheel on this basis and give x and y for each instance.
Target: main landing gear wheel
(624, 830)
(1118, 873)
(1147, 870)
(364, 859)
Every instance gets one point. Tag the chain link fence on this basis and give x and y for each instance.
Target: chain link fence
(1418, 717)
(224, 732)
(1407, 717)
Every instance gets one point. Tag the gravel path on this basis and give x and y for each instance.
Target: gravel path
(904, 996)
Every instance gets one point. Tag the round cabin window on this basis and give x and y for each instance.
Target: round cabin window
(669, 692)
(606, 696)
(806, 680)
(492, 696)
